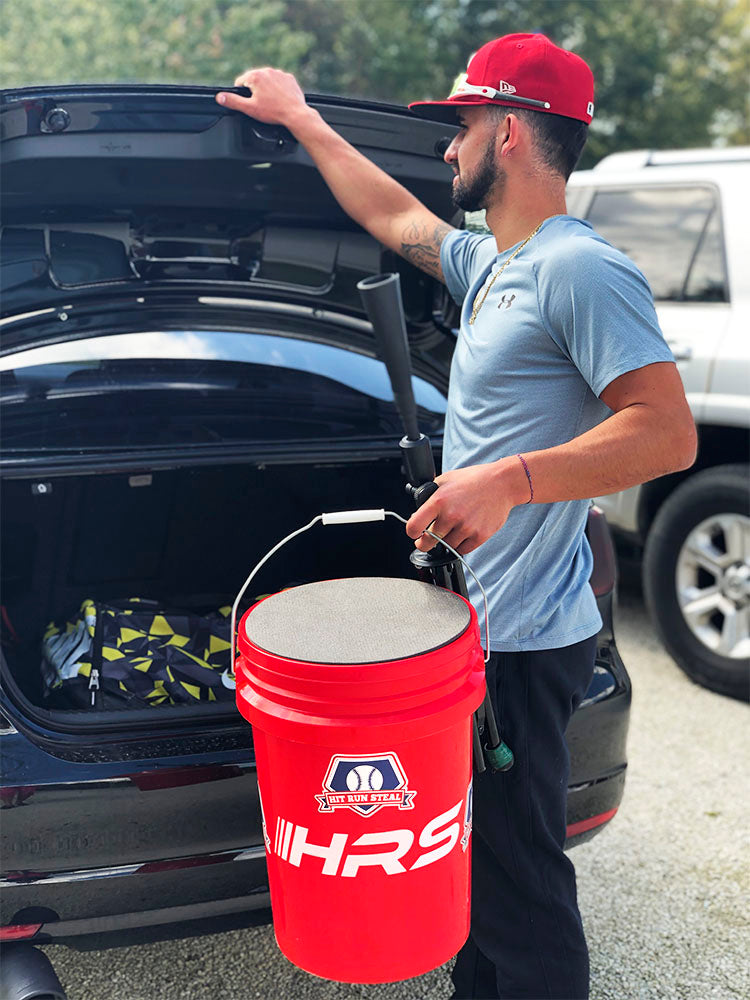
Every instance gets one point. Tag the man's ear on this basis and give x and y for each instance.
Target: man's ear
(508, 135)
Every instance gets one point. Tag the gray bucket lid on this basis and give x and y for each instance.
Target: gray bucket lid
(357, 620)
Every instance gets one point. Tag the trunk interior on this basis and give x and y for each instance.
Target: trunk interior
(186, 537)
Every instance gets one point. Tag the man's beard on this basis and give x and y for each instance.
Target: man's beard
(472, 195)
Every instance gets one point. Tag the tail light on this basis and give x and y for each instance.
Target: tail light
(18, 932)
(588, 824)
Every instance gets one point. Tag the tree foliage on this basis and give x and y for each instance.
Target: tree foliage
(670, 73)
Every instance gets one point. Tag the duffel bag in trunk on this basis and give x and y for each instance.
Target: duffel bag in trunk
(133, 653)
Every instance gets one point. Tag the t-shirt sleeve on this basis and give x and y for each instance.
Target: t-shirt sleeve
(598, 308)
(461, 254)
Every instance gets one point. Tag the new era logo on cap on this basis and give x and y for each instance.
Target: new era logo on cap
(524, 71)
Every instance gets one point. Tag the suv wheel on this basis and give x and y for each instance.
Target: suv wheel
(696, 574)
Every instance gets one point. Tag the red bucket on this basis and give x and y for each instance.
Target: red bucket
(361, 693)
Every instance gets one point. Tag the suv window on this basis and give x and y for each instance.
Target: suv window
(673, 234)
(200, 387)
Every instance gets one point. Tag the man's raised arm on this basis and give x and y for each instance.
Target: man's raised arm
(376, 201)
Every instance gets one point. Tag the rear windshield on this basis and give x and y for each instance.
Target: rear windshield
(157, 389)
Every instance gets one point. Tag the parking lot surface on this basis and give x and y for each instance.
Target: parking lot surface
(664, 889)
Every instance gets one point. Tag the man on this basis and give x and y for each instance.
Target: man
(562, 388)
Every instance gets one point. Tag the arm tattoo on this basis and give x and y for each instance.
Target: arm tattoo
(420, 244)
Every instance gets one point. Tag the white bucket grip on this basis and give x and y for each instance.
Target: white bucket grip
(353, 516)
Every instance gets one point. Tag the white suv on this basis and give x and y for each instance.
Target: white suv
(684, 218)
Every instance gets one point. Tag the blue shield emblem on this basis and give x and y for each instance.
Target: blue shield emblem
(365, 784)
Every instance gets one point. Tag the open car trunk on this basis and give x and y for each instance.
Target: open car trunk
(185, 537)
(187, 374)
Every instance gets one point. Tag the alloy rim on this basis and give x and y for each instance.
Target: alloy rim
(713, 584)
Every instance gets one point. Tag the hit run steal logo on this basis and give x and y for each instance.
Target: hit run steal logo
(365, 785)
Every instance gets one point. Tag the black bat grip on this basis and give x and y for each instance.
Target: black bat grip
(381, 297)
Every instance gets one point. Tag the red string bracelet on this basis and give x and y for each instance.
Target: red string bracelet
(528, 476)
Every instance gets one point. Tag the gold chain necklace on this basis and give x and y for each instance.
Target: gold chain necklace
(478, 305)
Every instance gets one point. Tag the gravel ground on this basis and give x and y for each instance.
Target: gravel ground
(664, 890)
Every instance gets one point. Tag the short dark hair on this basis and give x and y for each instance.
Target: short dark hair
(559, 140)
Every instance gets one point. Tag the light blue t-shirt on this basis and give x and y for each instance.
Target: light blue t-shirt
(568, 315)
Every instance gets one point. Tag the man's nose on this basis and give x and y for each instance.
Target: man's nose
(451, 153)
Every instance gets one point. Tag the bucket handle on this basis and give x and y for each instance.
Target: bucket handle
(344, 517)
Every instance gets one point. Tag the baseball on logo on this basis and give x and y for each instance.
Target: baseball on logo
(364, 778)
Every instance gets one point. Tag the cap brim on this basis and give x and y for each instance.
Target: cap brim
(444, 111)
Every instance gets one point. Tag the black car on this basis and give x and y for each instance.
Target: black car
(188, 375)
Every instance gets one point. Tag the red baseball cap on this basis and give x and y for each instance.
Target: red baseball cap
(521, 71)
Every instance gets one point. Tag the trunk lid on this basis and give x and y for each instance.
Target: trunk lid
(126, 188)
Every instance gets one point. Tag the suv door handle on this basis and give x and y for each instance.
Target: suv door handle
(681, 352)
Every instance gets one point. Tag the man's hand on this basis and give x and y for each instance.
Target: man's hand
(276, 97)
(471, 505)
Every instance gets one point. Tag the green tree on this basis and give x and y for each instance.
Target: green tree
(368, 49)
(732, 121)
(669, 73)
(144, 41)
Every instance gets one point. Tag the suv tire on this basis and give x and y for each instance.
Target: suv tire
(698, 550)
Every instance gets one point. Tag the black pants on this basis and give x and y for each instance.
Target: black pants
(527, 941)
